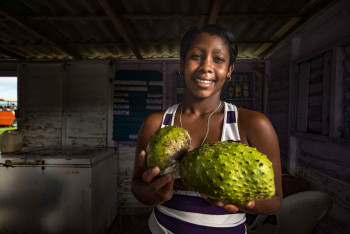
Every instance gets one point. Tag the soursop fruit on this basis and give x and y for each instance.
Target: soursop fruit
(229, 171)
(165, 148)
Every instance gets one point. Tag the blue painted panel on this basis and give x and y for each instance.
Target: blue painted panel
(137, 94)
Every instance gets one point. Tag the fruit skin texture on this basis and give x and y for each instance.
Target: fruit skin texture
(229, 171)
(165, 147)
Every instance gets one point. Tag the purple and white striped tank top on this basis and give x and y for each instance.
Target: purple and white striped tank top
(187, 211)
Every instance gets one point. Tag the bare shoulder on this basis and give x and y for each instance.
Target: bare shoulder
(149, 126)
(255, 127)
(252, 119)
(152, 122)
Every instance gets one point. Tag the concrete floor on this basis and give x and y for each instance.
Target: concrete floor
(130, 222)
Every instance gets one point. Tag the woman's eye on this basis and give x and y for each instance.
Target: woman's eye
(219, 60)
(195, 56)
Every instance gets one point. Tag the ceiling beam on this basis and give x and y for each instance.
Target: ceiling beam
(262, 15)
(123, 43)
(310, 14)
(43, 17)
(11, 54)
(215, 9)
(32, 29)
(119, 26)
(151, 43)
(252, 15)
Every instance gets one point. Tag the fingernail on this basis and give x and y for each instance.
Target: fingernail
(155, 170)
(220, 204)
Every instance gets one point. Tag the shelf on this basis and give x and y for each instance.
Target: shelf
(239, 99)
(242, 84)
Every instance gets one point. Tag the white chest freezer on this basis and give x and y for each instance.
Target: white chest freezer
(65, 190)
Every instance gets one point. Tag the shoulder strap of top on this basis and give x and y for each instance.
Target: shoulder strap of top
(169, 116)
(230, 126)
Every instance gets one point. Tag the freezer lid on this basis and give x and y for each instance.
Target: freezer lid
(56, 156)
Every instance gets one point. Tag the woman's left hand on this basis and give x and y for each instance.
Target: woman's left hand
(229, 207)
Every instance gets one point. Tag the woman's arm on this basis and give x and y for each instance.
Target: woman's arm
(146, 186)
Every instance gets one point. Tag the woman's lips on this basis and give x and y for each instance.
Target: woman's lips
(204, 82)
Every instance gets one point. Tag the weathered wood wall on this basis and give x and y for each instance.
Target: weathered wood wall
(346, 91)
(278, 69)
(318, 147)
(41, 105)
(64, 104)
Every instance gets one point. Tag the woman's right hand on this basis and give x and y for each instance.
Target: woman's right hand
(148, 187)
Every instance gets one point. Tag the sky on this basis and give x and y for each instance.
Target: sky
(8, 88)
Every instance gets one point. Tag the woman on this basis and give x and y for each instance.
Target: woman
(207, 61)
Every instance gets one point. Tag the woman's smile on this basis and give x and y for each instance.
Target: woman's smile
(204, 83)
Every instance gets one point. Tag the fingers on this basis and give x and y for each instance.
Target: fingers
(150, 174)
(167, 190)
(162, 181)
(229, 207)
(140, 166)
(212, 201)
(156, 188)
(235, 209)
(250, 205)
(141, 163)
(163, 187)
(162, 184)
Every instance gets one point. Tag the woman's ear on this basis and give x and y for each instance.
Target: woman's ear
(230, 69)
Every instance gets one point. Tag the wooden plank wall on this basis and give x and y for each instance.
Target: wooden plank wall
(41, 104)
(86, 105)
(346, 84)
(319, 153)
(325, 166)
(64, 105)
(278, 100)
(314, 95)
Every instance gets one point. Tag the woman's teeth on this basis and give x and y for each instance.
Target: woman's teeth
(204, 81)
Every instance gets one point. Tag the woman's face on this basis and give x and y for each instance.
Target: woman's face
(206, 66)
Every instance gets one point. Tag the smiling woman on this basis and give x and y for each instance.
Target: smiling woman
(207, 57)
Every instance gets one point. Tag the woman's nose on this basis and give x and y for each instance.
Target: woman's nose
(206, 65)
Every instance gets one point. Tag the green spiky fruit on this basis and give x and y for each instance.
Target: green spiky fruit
(165, 147)
(232, 172)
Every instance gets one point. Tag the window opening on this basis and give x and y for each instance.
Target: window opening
(8, 103)
(314, 95)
